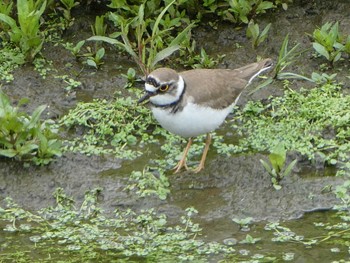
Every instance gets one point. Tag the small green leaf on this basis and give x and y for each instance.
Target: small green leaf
(289, 168)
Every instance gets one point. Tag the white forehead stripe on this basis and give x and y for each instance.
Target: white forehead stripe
(150, 88)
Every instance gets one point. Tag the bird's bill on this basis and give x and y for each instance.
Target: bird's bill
(144, 97)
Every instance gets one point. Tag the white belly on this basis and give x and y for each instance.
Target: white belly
(192, 121)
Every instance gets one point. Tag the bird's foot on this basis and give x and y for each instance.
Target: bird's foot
(180, 164)
(199, 168)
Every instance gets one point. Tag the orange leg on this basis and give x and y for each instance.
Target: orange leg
(182, 162)
(204, 155)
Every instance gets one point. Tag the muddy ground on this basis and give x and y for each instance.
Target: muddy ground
(229, 187)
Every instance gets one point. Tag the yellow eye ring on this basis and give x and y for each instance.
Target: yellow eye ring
(164, 88)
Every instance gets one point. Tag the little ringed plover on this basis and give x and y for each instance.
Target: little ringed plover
(195, 102)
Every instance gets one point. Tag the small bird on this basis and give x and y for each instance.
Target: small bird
(195, 102)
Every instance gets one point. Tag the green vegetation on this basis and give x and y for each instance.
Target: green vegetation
(85, 233)
(96, 60)
(299, 121)
(68, 5)
(109, 128)
(99, 28)
(241, 11)
(25, 137)
(330, 43)
(277, 170)
(286, 57)
(26, 34)
(10, 59)
(151, 47)
(257, 37)
(147, 183)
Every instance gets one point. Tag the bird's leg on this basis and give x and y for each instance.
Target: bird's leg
(204, 155)
(182, 162)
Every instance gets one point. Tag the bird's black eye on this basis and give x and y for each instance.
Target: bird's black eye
(164, 88)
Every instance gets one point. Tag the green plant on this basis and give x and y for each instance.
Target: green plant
(147, 183)
(328, 42)
(257, 37)
(130, 77)
(250, 240)
(110, 127)
(100, 28)
(304, 121)
(75, 50)
(6, 7)
(68, 5)
(26, 35)
(242, 10)
(96, 61)
(149, 46)
(71, 83)
(277, 159)
(283, 3)
(42, 66)
(323, 78)
(243, 222)
(10, 58)
(25, 137)
(86, 232)
(285, 58)
(202, 60)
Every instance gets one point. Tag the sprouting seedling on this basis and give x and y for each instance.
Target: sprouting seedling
(277, 169)
(96, 60)
(257, 37)
(74, 49)
(130, 77)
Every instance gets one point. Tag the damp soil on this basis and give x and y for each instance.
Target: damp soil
(229, 187)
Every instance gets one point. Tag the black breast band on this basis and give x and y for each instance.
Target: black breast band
(174, 106)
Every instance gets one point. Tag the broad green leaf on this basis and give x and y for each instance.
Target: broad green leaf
(164, 54)
(91, 63)
(9, 20)
(277, 157)
(8, 152)
(100, 53)
(321, 50)
(265, 5)
(27, 148)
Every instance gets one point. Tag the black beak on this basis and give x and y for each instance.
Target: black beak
(144, 97)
